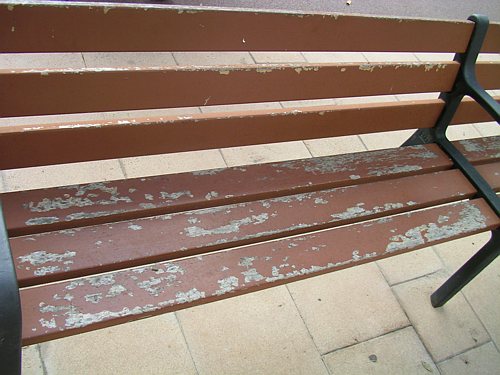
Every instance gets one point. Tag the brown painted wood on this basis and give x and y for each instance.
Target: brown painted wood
(57, 28)
(70, 307)
(28, 146)
(52, 256)
(491, 173)
(66, 207)
(44, 92)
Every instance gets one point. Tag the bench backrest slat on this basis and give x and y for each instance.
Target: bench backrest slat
(56, 27)
(115, 139)
(45, 92)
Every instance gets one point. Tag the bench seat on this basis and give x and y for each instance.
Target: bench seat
(234, 231)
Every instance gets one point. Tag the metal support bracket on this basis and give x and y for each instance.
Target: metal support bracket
(466, 84)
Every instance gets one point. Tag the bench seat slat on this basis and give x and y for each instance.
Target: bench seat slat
(87, 204)
(63, 207)
(45, 92)
(79, 305)
(135, 28)
(45, 257)
(98, 141)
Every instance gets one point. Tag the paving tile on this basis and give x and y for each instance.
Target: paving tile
(41, 60)
(457, 132)
(265, 153)
(212, 58)
(488, 57)
(308, 103)
(419, 96)
(335, 145)
(32, 363)
(333, 57)
(457, 252)
(484, 360)
(240, 107)
(399, 352)
(61, 175)
(379, 141)
(366, 99)
(445, 331)
(150, 346)
(3, 188)
(154, 165)
(481, 292)
(259, 333)
(347, 307)
(488, 129)
(389, 56)
(434, 56)
(152, 113)
(409, 266)
(128, 59)
(277, 57)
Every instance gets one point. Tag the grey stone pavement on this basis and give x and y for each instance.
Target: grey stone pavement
(371, 319)
(444, 9)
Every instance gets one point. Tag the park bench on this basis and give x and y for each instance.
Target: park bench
(79, 258)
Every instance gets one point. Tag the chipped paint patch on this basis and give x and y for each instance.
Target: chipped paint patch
(46, 270)
(232, 227)
(252, 275)
(134, 227)
(246, 261)
(176, 195)
(209, 172)
(471, 219)
(395, 169)
(41, 257)
(210, 195)
(227, 285)
(42, 220)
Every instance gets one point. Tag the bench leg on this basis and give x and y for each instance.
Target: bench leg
(468, 271)
(10, 309)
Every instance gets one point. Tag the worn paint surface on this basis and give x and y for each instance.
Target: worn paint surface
(187, 233)
(200, 31)
(57, 208)
(177, 284)
(93, 203)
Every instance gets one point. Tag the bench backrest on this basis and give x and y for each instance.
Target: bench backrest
(57, 27)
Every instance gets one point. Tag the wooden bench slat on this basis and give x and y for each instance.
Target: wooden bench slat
(70, 307)
(64, 207)
(46, 257)
(57, 28)
(116, 139)
(45, 92)
(87, 204)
